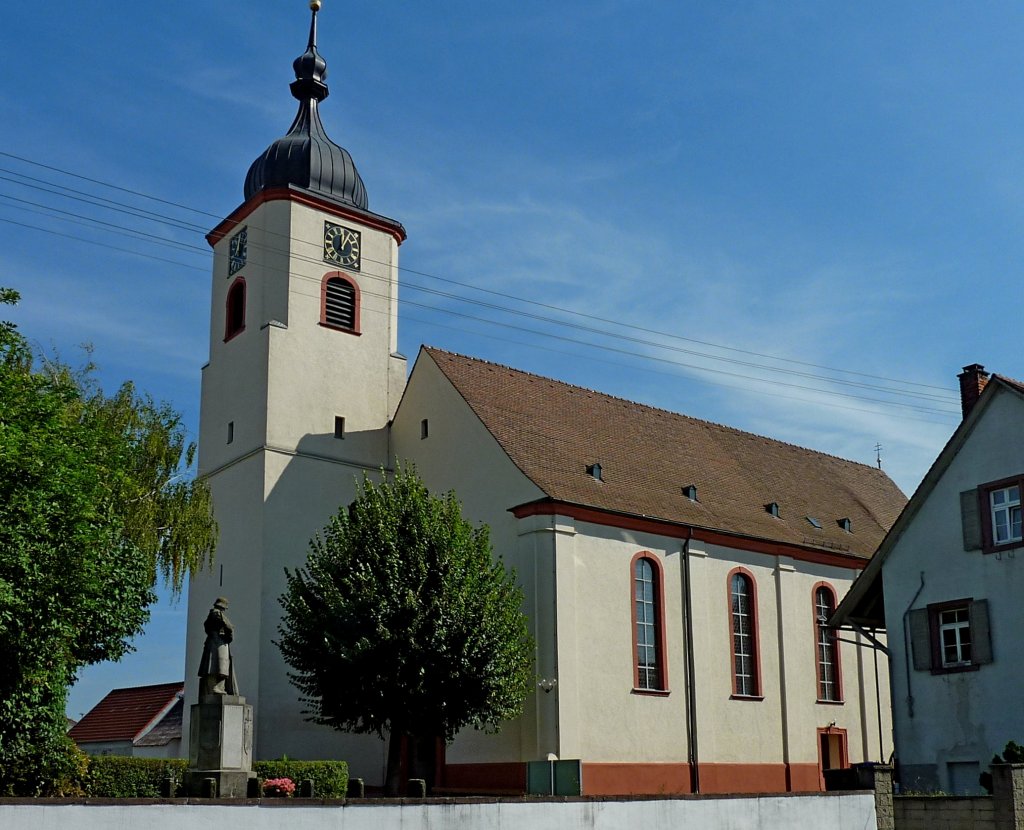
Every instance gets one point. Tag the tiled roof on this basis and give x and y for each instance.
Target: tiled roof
(167, 730)
(124, 713)
(553, 430)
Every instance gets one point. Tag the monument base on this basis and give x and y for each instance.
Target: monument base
(220, 747)
(227, 783)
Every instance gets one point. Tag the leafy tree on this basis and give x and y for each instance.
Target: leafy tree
(403, 623)
(93, 511)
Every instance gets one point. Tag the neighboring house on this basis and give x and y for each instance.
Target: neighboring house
(676, 572)
(946, 584)
(143, 721)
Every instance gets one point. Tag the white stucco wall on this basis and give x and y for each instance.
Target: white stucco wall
(848, 811)
(282, 382)
(963, 717)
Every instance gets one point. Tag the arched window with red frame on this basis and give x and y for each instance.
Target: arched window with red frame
(746, 662)
(234, 316)
(339, 302)
(649, 670)
(829, 668)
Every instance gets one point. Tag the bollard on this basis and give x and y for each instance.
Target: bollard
(168, 786)
(209, 788)
(306, 788)
(254, 788)
(356, 788)
(417, 788)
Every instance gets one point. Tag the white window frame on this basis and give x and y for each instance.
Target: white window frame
(743, 636)
(646, 626)
(956, 622)
(1004, 505)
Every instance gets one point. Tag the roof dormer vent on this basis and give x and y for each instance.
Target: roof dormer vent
(814, 522)
(594, 470)
(846, 525)
(690, 491)
(772, 508)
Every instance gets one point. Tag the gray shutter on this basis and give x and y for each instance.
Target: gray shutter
(981, 636)
(970, 520)
(921, 639)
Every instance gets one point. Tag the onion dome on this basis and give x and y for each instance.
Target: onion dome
(306, 157)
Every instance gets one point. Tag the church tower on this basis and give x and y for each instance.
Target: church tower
(303, 379)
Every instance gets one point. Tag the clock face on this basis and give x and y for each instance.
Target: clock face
(237, 252)
(341, 245)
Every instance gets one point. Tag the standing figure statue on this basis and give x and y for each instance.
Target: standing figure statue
(217, 670)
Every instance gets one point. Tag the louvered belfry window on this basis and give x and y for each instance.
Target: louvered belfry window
(340, 303)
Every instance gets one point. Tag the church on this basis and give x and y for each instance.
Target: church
(677, 573)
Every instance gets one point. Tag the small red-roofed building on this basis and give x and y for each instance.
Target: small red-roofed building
(143, 721)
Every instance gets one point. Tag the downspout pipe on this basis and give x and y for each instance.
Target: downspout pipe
(906, 647)
(692, 754)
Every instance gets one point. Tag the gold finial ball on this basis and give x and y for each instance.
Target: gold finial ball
(315, 5)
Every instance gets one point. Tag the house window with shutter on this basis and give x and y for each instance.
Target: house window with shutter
(951, 636)
(991, 515)
(339, 303)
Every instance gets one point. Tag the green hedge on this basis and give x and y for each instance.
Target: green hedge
(118, 776)
(330, 778)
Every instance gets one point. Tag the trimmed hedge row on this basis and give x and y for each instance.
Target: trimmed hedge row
(118, 776)
(330, 778)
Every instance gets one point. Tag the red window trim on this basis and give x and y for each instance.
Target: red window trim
(659, 623)
(237, 285)
(357, 300)
(837, 650)
(755, 632)
(988, 544)
(935, 609)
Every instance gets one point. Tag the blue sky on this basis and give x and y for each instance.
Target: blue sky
(795, 186)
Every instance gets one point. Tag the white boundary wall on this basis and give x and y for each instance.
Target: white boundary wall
(847, 811)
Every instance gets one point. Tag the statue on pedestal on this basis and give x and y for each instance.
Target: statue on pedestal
(220, 729)
(216, 669)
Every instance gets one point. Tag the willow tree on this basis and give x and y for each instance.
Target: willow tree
(95, 509)
(403, 623)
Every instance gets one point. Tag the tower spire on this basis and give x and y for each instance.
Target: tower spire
(310, 67)
(306, 157)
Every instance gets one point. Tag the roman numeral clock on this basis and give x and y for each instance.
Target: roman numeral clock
(341, 246)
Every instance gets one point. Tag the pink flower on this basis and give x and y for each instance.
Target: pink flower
(278, 787)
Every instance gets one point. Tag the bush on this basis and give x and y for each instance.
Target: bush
(1012, 754)
(118, 776)
(330, 778)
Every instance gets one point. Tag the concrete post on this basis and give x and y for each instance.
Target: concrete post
(884, 815)
(1008, 796)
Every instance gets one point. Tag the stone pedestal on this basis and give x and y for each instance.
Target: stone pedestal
(220, 746)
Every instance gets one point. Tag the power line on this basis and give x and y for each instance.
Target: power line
(150, 216)
(532, 332)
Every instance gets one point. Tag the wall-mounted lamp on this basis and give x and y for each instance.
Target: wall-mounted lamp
(546, 685)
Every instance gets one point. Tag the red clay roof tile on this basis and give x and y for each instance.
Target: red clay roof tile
(553, 430)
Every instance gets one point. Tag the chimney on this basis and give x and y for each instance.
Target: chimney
(972, 383)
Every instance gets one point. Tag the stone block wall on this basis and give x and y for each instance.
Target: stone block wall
(1003, 810)
(914, 812)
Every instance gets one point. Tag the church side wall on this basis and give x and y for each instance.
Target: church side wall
(769, 742)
